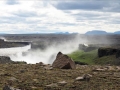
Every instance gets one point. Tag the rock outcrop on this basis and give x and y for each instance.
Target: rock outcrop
(118, 53)
(63, 62)
(106, 51)
(5, 59)
(6, 44)
(87, 48)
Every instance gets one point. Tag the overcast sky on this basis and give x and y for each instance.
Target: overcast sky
(48, 16)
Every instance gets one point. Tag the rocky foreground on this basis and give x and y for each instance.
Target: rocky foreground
(44, 77)
(63, 74)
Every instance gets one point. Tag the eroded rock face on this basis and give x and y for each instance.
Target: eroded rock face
(63, 62)
(87, 48)
(106, 51)
(109, 51)
(6, 44)
(118, 53)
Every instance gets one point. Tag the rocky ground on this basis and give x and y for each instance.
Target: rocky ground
(44, 77)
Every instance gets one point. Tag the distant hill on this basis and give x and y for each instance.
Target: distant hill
(61, 32)
(117, 32)
(96, 32)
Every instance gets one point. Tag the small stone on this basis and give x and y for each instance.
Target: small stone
(48, 68)
(52, 85)
(22, 71)
(84, 77)
(40, 63)
(79, 79)
(118, 68)
(110, 68)
(99, 69)
(7, 74)
(87, 77)
(94, 73)
(62, 83)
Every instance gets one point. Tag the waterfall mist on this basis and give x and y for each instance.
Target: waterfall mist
(48, 46)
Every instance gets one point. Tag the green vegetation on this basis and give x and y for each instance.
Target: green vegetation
(111, 59)
(85, 57)
(91, 58)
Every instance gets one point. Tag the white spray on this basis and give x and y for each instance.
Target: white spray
(48, 55)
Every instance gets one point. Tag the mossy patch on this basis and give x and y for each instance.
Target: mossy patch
(92, 58)
(86, 57)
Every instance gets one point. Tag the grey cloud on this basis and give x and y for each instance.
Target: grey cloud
(93, 5)
(87, 5)
(90, 16)
(87, 14)
(12, 2)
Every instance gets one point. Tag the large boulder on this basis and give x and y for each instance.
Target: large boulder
(63, 62)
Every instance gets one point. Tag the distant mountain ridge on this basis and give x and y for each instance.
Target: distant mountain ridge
(117, 32)
(96, 32)
(100, 32)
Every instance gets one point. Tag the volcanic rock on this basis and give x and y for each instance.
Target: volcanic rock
(118, 53)
(63, 62)
(106, 51)
(5, 59)
(6, 44)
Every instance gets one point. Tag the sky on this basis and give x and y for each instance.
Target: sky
(50, 16)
